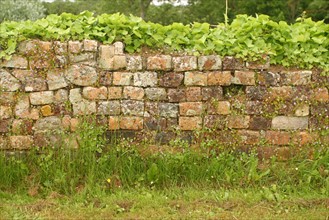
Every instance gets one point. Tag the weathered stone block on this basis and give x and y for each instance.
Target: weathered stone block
(8, 82)
(122, 78)
(190, 108)
(56, 80)
(219, 107)
(5, 112)
(131, 92)
(268, 78)
(259, 123)
(106, 53)
(46, 110)
(209, 93)
(168, 110)
(114, 123)
(75, 46)
(155, 123)
(277, 137)
(93, 93)
(215, 121)
(304, 138)
(48, 124)
(185, 63)
(302, 110)
(4, 143)
(35, 84)
(171, 79)
(21, 142)
(219, 78)
(131, 123)
(90, 45)
(190, 123)
(193, 94)
(118, 48)
(256, 92)
(22, 127)
(114, 92)
(289, 123)
(7, 98)
(244, 78)
(61, 96)
(296, 77)
(195, 79)
(134, 63)
(156, 94)
(81, 75)
(284, 93)
(249, 137)
(159, 62)
(238, 121)
(87, 58)
(60, 48)
(109, 108)
(212, 62)
(119, 62)
(15, 61)
(231, 63)
(176, 95)
(131, 107)
(145, 79)
(5, 126)
(262, 64)
(320, 95)
(84, 107)
(105, 78)
(42, 98)
(22, 108)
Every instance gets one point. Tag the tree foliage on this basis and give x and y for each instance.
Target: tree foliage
(17, 10)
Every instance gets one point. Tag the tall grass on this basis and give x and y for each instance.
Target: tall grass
(100, 166)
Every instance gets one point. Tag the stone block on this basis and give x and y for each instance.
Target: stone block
(219, 78)
(35, 84)
(320, 95)
(155, 123)
(131, 123)
(231, 63)
(114, 123)
(249, 137)
(109, 108)
(256, 92)
(145, 79)
(295, 78)
(21, 142)
(106, 53)
(75, 47)
(156, 94)
(93, 93)
(262, 64)
(219, 107)
(132, 108)
(268, 78)
(5, 112)
(105, 78)
(131, 92)
(259, 123)
(195, 79)
(277, 137)
(193, 94)
(46, 110)
(304, 138)
(81, 75)
(159, 62)
(42, 98)
(22, 127)
(176, 95)
(84, 107)
(244, 78)
(238, 121)
(22, 108)
(190, 123)
(209, 93)
(211, 62)
(90, 45)
(190, 108)
(289, 123)
(134, 63)
(171, 79)
(114, 92)
(122, 78)
(48, 124)
(61, 96)
(118, 48)
(215, 121)
(16, 61)
(56, 80)
(283, 93)
(302, 110)
(168, 110)
(7, 98)
(119, 62)
(5, 125)
(4, 143)
(184, 63)
(8, 82)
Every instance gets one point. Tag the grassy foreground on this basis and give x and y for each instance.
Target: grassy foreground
(174, 203)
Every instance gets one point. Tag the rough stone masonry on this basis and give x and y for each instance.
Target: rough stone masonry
(46, 88)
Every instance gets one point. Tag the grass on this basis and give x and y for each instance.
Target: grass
(137, 180)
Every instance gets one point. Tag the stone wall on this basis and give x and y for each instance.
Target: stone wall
(47, 86)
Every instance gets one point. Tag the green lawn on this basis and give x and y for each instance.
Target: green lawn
(174, 203)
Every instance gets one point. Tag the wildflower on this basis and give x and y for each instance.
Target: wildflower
(108, 180)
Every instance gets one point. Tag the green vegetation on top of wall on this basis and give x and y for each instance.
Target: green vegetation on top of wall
(304, 44)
